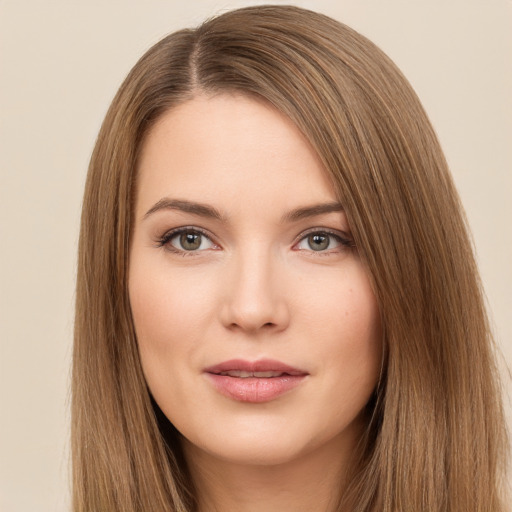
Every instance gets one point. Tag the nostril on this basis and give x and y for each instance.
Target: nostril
(251, 312)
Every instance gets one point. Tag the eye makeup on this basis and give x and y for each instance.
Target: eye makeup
(192, 240)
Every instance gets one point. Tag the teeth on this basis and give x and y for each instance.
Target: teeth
(244, 375)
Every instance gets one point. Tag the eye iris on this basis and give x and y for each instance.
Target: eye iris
(318, 242)
(190, 241)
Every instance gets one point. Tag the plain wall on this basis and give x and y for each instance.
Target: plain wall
(61, 62)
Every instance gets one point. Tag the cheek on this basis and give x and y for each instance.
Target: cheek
(166, 303)
(346, 322)
(153, 299)
(342, 306)
(172, 313)
(360, 318)
(151, 302)
(163, 322)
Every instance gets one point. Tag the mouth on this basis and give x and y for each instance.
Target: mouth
(254, 382)
(245, 375)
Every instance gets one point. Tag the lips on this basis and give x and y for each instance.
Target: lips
(254, 382)
(244, 375)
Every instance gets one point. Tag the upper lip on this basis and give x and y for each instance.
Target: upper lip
(262, 365)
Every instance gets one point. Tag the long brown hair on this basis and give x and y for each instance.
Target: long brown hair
(437, 439)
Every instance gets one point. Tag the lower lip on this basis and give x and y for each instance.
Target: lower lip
(254, 389)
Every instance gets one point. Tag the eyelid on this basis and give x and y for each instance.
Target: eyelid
(163, 241)
(344, 238)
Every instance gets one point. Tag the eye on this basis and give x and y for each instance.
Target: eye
(321, 241)
(186, 240)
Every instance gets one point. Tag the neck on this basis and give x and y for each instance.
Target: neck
(313, 482)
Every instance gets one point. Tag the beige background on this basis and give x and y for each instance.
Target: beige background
(61, 62)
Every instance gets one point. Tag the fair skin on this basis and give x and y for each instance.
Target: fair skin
(263, 271)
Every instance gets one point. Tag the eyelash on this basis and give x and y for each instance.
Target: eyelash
(165, 240)
(343, 239)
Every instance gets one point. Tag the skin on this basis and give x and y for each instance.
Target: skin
(255, 288)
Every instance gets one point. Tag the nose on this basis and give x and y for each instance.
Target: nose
(255, 298)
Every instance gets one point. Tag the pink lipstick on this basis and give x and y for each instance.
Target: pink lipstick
(255, 382)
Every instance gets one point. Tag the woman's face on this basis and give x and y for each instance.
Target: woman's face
(258, 330)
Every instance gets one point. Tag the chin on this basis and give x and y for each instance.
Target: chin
(256, 452)
(268, 442)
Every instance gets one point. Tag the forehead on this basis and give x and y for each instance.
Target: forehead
(229, 148)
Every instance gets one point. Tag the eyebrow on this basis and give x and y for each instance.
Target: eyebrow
(204, 210)
(311, 211)
(182, 205)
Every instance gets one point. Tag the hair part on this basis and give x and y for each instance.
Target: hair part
(436, 440)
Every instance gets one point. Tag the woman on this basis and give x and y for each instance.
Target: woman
(277, 305)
